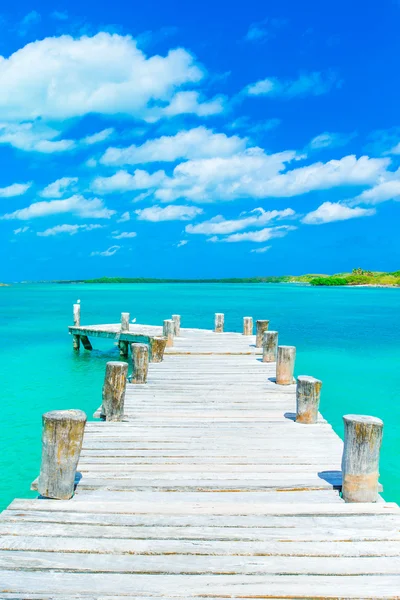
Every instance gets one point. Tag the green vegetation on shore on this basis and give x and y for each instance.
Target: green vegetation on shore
(356, 277)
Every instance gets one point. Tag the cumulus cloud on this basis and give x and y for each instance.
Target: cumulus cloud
(120, 235)
(260, 236)
(383, 191)
(261, 250)
(61, 77)
(70, 229)
(59, 187)
(191, 103)
(329, 212)
(123, 181)
(34, 136)
(76, 205)
(16, 189)
(109, 252)
(306, 84)
(192, 144)
(256, 217)
(174, 212)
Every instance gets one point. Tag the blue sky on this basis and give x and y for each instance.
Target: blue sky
(175, 139)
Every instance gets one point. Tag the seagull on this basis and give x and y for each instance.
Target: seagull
(78, 301)
(133, 320)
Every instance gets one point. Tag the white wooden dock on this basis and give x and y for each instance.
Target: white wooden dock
(207, 489)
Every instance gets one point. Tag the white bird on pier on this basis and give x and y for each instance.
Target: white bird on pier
(78, 301)
(133, 320)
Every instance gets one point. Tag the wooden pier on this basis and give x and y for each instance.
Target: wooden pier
(208, 488)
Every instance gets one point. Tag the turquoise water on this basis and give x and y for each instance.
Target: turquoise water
(348, 337)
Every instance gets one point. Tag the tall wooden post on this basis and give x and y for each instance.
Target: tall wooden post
(219, 322)
(140, 359)
(157, 347)
(125, 318)
(177, 324)
(114, 391)
(168, 332)
(77, 315)
(285, 365)
(62, 437)
(270, 346)
(308, 393)
(360, 462)
(261, 327)
(247, 325)
(76, 341)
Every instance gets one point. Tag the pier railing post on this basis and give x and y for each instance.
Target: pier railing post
(140, 360)
(61, 446)
(261, 328)
(285, 365)
(168, 332)
(177, 324)
(360, 462)
(308, 393)
(157, 347)
(77, 315)
(219, 320)
(270, 346)
(114, 391)
(247, 325)
(125, 318)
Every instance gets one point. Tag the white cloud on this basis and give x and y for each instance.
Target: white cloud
(123, 181)
(264, 30)
(124, 217)
(329, 212)
(261, 250)
(76, 205)
(61, 77)
(70, 229)
(383, 191)
(95, 138)
(173, 212)
(16, 189)
(123, 234)
(192, 103)
(307, 84)
(330, 140)
(33, 136)
(29, 20)
(59, 15)
(51, 146)
(21, 230)
(260, 236)
(59, 187)
(181, 243)
(192, 144)
(256, 217)
(109, 252)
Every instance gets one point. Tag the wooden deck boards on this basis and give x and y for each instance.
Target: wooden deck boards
(207, 489)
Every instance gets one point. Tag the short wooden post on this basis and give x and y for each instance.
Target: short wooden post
(308, 393)
(168, 332)
(77, 315)
(123, 346)
(76, 341)
(247, 325)
(219, 322)
(125, 318)
(261, 327)
(177, 324)
(114, 391)
(157, 347)
(140, 359)
(360, 462)
(270, 346)
(285, 365)
(62, 437)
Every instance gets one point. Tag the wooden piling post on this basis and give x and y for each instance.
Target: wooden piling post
(261, 327)
(76, 341)
(360, 462)
(157, 347)
(114, 391)
(177, 324)
(308, 393)
(270, 346)
(168, 332)
(285, 365)
(123, 346)
(62, 437)
(125, 318)
(140, 360)
(219, 320)
(77, 315)
(247, 325)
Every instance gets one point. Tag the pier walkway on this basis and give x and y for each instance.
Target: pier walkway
(207, 489)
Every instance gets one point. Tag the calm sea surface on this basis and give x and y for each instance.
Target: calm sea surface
(348, 337)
